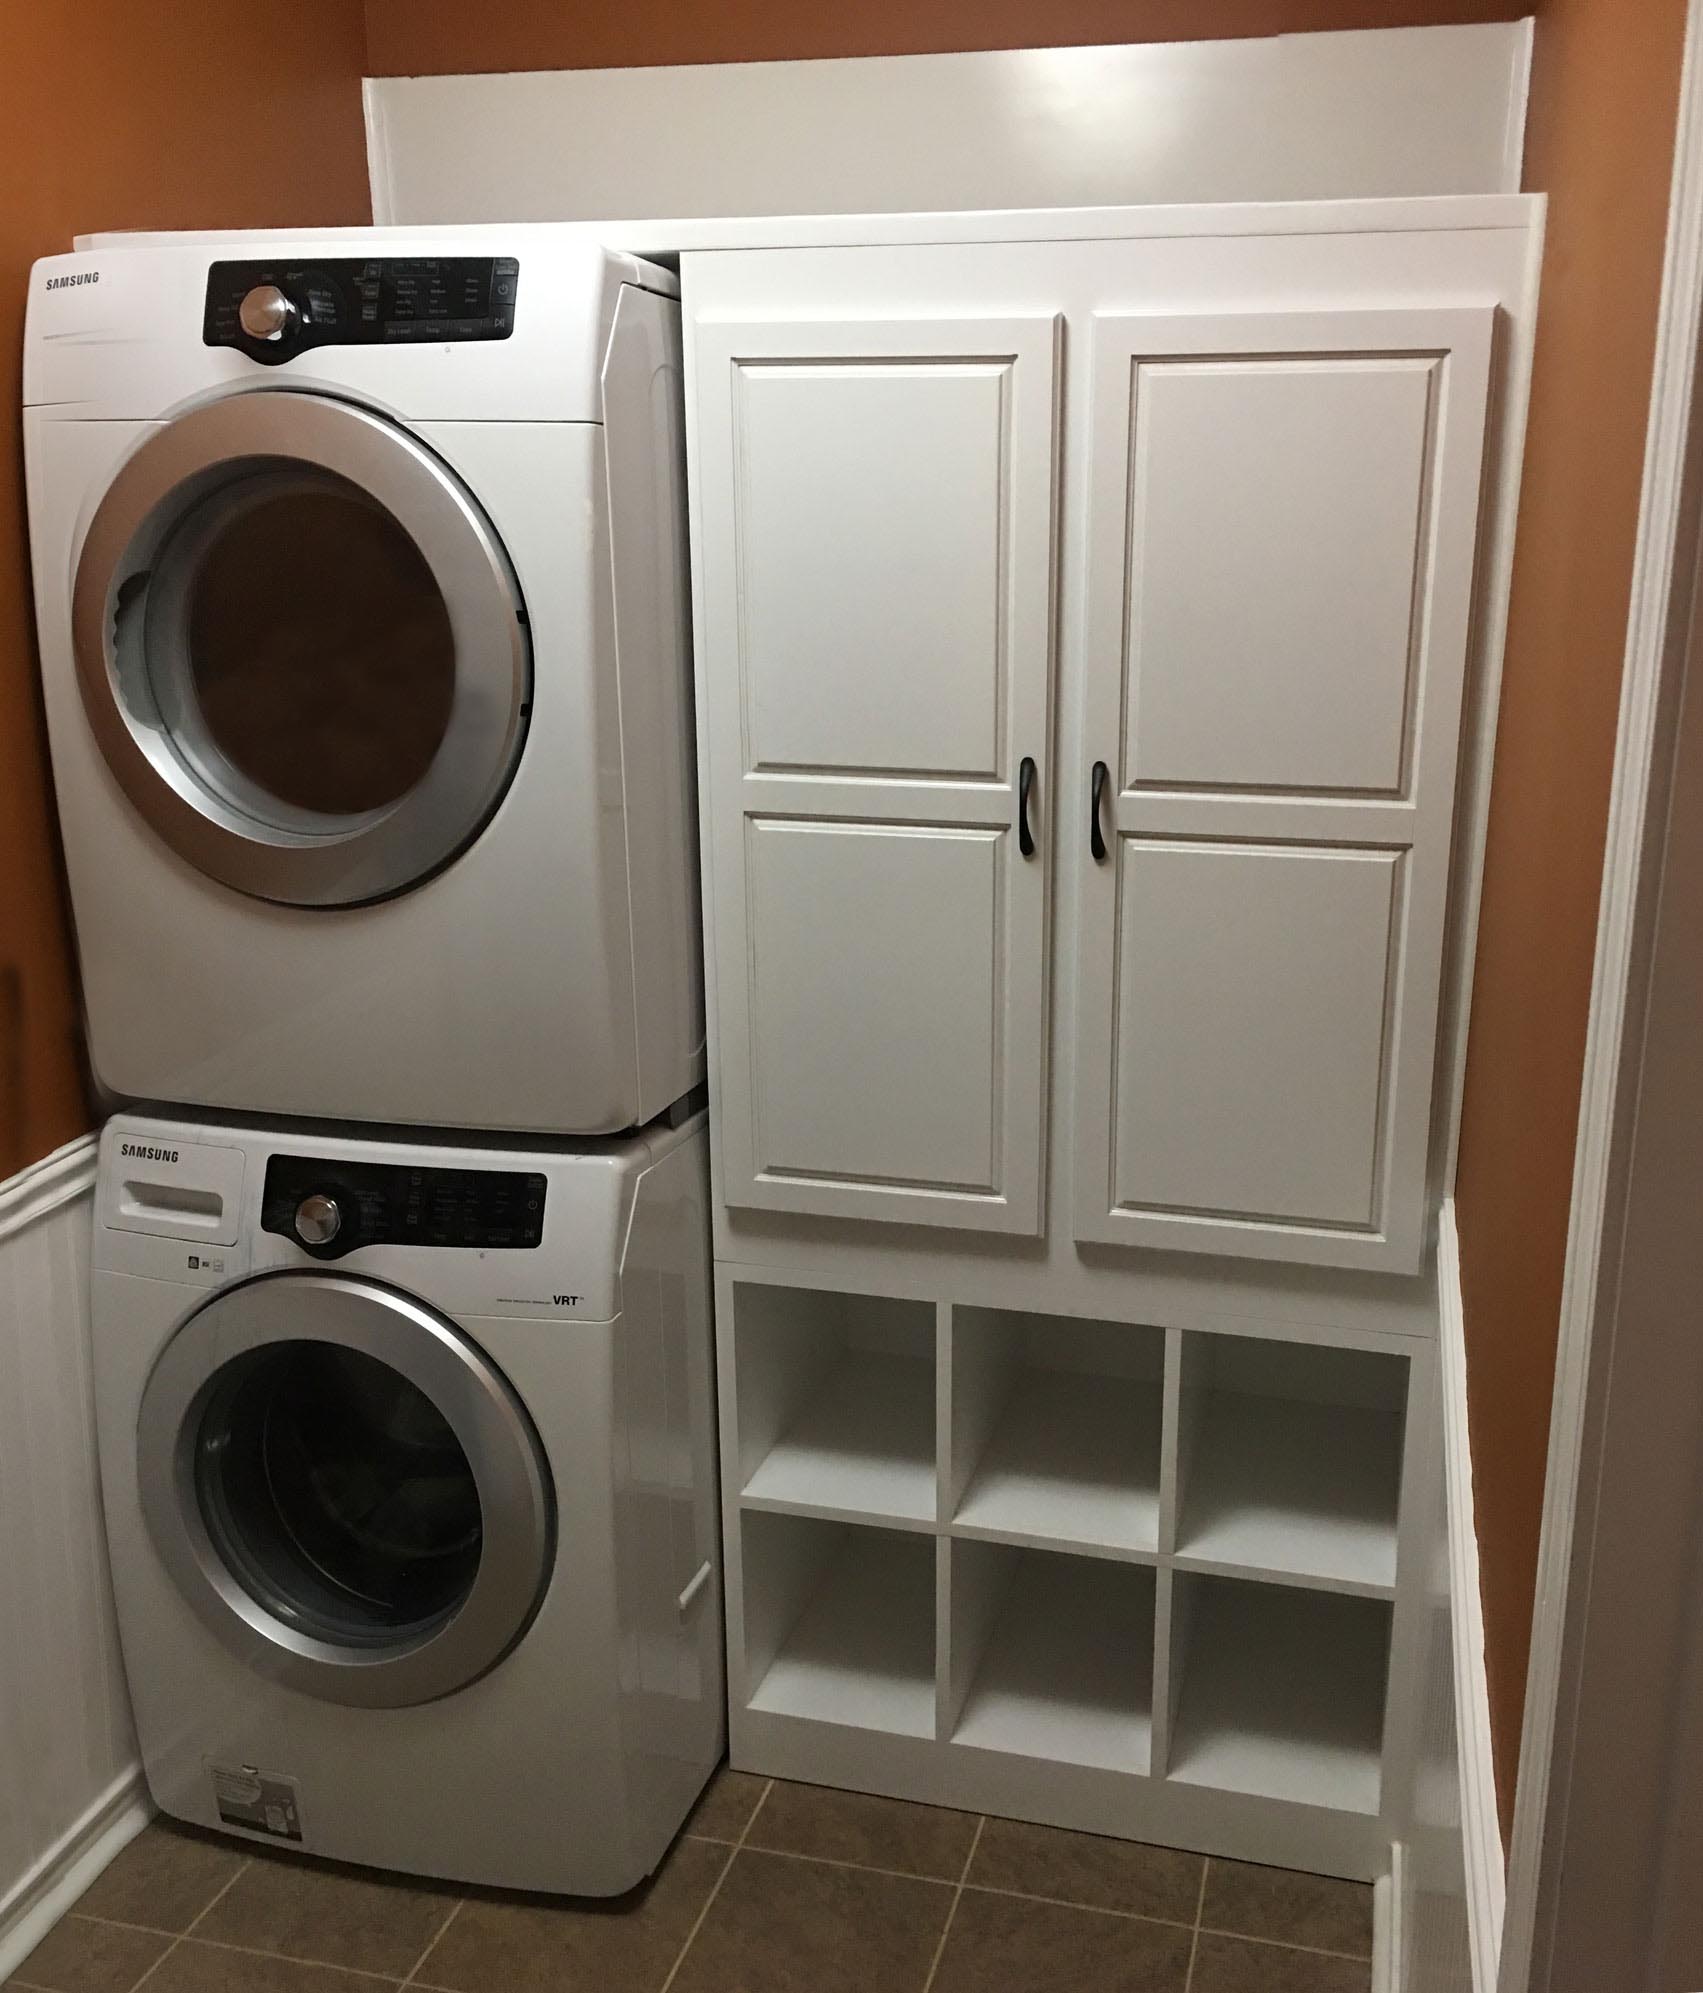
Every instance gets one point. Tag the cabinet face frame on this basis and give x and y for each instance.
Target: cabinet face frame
(876, 832)
(1400, 821)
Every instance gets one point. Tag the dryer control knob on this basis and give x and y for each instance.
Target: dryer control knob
(266, 312)
(318, 1220)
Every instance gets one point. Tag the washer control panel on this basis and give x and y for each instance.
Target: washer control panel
(272, 311)
(331, 1208)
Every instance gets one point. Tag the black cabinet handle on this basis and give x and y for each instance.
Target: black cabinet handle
(1096, 797)
(1025, 789)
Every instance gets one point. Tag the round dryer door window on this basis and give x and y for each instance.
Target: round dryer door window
(345, 1489)
(301, 648)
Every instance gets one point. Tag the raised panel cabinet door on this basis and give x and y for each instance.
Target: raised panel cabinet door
(874, 556)
(1280, 554)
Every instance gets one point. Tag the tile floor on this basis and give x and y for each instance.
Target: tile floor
(771, 1888)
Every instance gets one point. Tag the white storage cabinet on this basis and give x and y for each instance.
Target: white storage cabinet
(1088, 636)
(1274, 532)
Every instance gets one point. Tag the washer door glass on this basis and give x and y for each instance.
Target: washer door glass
(301, 648)
(338, 1492)
(345, 1489)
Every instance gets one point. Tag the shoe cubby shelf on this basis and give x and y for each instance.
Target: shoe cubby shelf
(1161, 1555)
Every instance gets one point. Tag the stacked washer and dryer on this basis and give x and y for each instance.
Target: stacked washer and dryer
(360, 583)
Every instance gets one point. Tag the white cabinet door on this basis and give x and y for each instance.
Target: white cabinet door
(873, 507)
(1283, 512)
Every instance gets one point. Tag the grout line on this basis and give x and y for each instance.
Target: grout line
(419, 1963)
(196, 1921)
(1285, 1944)
(733, 1856)
(1199, 1912)
(952, 1911)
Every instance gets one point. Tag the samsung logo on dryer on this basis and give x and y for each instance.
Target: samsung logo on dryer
(147, 1153)
(72, 279)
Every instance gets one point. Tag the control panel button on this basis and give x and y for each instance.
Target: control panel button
(318, 1220)
(265, 313)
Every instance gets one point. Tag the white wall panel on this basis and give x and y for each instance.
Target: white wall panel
(66, 1744)
(1388, 111)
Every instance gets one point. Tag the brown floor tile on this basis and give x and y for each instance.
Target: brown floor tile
(332, 1915)
(1244, 1965)
(1088, 1868)
(198, 1968)
(1295, 1909)
(626, 1945)
(1024, 1947)
(165, 1878)
(856, 1827)
(779, 1925)
(79, 1957)
(727, 1804)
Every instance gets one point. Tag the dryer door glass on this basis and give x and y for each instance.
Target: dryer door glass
(305, 654)
(345, 1489)
(301, 648)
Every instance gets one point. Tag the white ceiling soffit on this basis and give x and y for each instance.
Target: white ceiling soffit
(1383, 111)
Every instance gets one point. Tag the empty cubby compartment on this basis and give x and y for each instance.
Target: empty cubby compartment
(1278, 1691)
(839, 1622)
(836, 1403)
(1051, 1655)
(1056, 1430)
(1289, 1460)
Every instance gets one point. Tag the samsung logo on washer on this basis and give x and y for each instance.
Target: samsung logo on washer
(144, 1152)
(74, 278)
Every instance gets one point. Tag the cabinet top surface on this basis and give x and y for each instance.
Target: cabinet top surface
(663, 237)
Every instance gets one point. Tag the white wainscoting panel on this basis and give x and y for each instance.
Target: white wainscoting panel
(70, 1780)
(1336, 116)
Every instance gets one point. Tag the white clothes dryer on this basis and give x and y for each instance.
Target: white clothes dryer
(361, 590)
(408, 1461)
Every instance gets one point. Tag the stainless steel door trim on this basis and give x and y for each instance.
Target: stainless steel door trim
(513, 1479)
(289, 856)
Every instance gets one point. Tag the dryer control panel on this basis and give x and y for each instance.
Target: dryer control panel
(330, 1208)
(274, 310)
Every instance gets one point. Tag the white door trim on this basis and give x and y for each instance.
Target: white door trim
(1659, 644)
(1481, 1831)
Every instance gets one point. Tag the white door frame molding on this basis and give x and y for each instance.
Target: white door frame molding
(1611, 1701)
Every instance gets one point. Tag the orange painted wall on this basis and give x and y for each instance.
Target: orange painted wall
(420, 38)
(1604, 94)
(188, 114)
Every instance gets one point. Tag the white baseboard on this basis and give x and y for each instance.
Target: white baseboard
(1481, 1831)
(36, 1902)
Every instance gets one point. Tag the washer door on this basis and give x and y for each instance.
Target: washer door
(301, 649)
(345, 1489)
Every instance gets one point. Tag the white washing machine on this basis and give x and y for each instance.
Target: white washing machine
(360, 585)
(409, 1468)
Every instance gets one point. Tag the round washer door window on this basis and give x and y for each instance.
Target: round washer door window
(301, 649)
(345, 1489)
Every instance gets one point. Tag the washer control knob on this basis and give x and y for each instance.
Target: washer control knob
(266, 312)
(318, 1220)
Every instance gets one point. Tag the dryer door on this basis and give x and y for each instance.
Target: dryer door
(345, 1489)
(301, 648)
